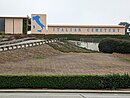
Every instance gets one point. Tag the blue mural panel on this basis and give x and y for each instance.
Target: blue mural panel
(37, 20)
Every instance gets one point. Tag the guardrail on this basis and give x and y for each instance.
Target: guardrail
(16, 41)
(24, 45)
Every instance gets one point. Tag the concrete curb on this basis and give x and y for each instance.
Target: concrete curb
(66, 91)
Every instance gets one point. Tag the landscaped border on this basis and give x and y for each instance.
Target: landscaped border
(114, 81)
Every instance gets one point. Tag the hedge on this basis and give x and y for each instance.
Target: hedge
(78, 36)
(66, 82)
(109, 45)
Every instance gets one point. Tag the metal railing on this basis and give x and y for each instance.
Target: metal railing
(24, 45)
(16, 41)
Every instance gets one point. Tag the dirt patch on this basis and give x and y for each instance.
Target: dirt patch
(46, 60)
(28, 53)
(69, 63)
(122, 56)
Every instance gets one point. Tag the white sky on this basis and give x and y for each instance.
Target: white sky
(90, 12)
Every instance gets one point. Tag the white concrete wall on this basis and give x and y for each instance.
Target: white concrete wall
(13, 26)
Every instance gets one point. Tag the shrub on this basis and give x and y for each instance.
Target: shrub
(109, 45)
(79, 37)
(66, 82)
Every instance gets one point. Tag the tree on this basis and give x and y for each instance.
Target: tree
(126, 24)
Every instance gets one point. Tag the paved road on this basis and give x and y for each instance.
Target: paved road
(61, 95)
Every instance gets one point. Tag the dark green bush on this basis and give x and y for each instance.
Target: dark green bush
(66, 82)
(78, 36)
(109, 45)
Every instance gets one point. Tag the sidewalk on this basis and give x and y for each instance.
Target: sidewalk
(63, 91)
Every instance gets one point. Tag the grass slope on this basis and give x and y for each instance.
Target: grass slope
(68, 47)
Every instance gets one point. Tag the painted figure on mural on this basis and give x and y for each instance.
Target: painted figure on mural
(37, 19)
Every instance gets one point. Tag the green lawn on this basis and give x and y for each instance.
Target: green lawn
(67, 47)
(68, 36)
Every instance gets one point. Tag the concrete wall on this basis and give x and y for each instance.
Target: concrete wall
(13, 25)
(87, 30)
(73, 29)
(9, 26)
(18, 26)
(35, 27)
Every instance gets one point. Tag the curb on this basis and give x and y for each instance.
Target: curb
(66, 91)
